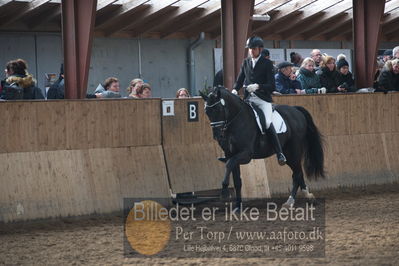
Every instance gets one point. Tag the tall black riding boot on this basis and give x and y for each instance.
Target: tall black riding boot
(277, 146)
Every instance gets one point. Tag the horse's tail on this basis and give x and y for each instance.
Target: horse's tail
(314, 154)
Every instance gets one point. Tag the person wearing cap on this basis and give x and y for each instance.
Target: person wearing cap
(286, 82)
(344, 77)
(387, 55)
(256, 75)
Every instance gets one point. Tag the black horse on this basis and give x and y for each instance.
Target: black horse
(234, 127)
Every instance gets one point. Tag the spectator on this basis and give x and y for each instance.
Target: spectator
(296, 59)
(286, 82)
(144, 91)
(395, 53)
(309, 80)
(380, 66)
(387, 55)
(345, 79)
(266, 54)
(19, 84)
(389, 78)
(57, 90)
(218, 80)
(316, 56)
(329, 75)
(182, 93)
(110, 89)
(134, 85)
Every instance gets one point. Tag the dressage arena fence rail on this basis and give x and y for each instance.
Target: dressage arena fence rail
(79, 157)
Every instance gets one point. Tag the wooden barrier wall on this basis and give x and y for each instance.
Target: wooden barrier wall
(67, 158)
(361, 136)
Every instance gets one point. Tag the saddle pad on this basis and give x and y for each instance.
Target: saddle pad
(278, 122)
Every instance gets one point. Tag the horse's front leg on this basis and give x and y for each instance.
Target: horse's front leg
(233, 164)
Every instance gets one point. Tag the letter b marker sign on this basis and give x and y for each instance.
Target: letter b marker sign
(192, 111)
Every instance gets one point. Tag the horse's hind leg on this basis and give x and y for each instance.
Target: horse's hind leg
(294, 162)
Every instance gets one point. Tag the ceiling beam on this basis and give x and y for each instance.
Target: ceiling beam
(43, 17)
(201, 18)
(306, 16)
(120, 14)
(263, 8)
(155, 9)
(21, 12)
(104, 3)
(391, 17)
(327, 15)
(286, 10)
(324, 28)
(340, 30)
(178, 13)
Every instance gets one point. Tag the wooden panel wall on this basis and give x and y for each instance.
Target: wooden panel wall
(77, 182)
(360, 143)
(67, 158)
(85, 124)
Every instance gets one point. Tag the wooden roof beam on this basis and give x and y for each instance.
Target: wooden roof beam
(28, 7)
(155, 9)
(120, 14)
(309, 18)
(340, 30)
(329, 14)
(43, 17)
(391, 17)
(201, 18)
(268, 6)
(331, 25)
(180, 12)
(101, 4)
(306, 14)
(284, 11)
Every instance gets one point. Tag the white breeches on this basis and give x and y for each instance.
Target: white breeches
(266, 107)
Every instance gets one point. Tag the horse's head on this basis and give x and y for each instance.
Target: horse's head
(215, 105)
(217, 109)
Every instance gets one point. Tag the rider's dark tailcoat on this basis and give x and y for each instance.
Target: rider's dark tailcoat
(262, 74)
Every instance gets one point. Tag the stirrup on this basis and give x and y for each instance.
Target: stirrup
(222, 159)
(281, 159)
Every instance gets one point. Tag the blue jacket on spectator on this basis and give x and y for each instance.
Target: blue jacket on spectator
(285, 85)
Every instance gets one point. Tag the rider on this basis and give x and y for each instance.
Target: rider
(257, 75)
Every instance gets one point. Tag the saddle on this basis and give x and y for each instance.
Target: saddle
(277, 119)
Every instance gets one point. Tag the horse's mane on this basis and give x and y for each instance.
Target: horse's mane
(232, 98)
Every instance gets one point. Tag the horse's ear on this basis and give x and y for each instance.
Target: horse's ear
(203, 95)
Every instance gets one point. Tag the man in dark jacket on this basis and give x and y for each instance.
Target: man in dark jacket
(286, 82)
(256, 75)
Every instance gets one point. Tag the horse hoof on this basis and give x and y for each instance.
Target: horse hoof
(312, 201)
(225, 194)
(237, 209)
(289, 203)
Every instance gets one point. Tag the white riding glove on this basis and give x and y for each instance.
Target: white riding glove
(233, 91)
(322, 91)
(252, 87)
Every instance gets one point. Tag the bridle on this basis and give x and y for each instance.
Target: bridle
(223, 123)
